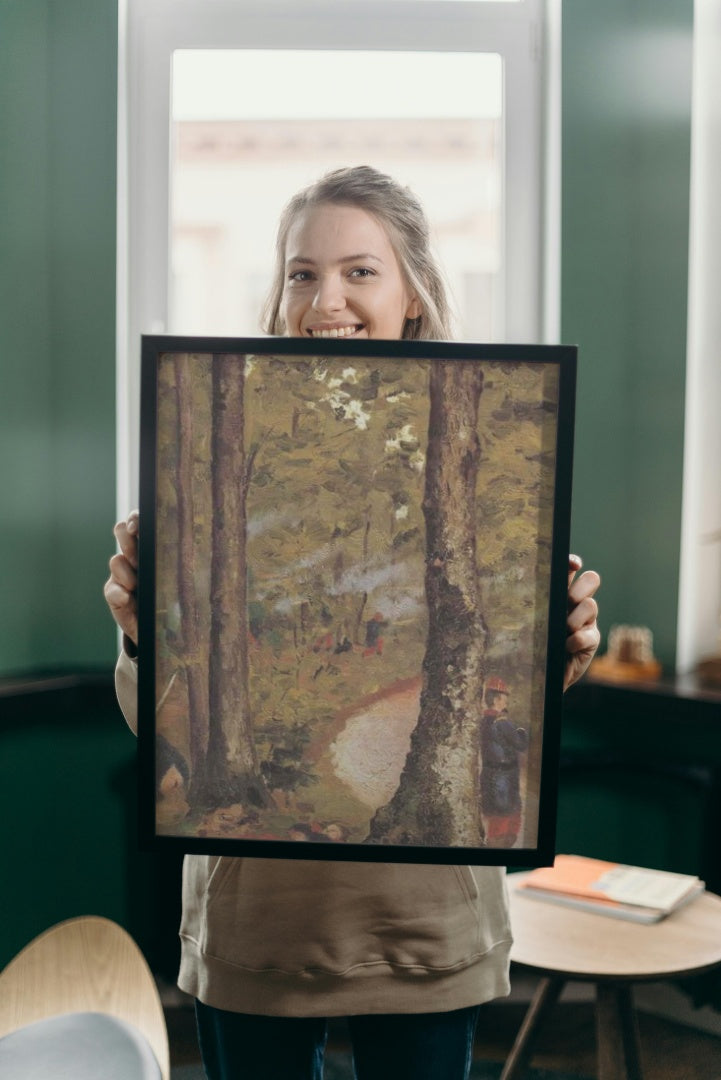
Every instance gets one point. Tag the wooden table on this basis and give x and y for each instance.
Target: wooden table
(563, 944)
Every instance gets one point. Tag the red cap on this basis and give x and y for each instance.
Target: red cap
(493, 682)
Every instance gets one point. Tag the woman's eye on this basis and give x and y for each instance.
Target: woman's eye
(362, 272)
(300, 276)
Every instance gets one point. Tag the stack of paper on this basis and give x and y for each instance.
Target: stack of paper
(624, 892)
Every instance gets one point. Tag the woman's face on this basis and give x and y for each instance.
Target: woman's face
(342, 277)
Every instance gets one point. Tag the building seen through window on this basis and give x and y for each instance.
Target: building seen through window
(231, 174)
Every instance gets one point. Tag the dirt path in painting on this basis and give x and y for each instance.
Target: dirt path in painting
(368, 754)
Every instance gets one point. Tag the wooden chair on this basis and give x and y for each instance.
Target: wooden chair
(77, 976)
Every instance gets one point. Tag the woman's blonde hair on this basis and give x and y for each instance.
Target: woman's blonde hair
(403, 217)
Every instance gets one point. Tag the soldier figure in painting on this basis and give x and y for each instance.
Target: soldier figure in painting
(374, 635)
(501, 744)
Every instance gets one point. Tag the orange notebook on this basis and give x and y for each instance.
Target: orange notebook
(631, 892)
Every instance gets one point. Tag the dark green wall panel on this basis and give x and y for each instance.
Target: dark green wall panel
(62, 775)
(626, 144)
(26, 493)
(58, 80)
(68, 789)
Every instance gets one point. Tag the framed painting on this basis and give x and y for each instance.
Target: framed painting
(352, 597)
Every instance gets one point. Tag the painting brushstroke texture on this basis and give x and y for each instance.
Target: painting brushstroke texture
(351, 584)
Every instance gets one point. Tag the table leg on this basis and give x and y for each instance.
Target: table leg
(545, 997)
(617, 1033)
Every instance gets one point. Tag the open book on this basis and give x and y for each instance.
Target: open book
(608, 888)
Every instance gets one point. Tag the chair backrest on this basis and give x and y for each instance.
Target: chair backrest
(87, 964)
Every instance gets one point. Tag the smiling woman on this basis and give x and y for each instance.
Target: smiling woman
(331, 292)
(353, 259)
(374, 939)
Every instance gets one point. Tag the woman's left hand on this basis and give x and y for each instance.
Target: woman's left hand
(583, 635)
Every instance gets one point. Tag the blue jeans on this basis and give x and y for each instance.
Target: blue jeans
(415, 1046)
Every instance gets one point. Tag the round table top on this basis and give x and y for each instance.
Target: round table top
(559, 940)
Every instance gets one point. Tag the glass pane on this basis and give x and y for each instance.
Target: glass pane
(250, 128)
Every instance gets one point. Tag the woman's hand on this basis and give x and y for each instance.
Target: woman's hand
(121, 587)
(583, 635)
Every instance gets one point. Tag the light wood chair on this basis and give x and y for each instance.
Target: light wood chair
(87, 965)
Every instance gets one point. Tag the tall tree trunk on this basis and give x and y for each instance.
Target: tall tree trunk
(357, 638)
(233, 772)
(438, 798)
(195, 671)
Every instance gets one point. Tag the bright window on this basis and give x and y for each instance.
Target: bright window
(237, 158)
(227, 107)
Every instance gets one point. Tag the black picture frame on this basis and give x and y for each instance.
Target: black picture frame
(352, 598)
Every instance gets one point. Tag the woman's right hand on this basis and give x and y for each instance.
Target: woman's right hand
(121, 587)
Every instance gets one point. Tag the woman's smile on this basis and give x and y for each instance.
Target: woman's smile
(335, 331)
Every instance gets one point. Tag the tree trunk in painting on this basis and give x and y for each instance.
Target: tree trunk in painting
(195, 672)
(233, 773)
(438, 798)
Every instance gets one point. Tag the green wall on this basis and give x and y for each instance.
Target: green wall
(641, 779)
(626, 145)
(68, 802)
(58, 75)
(66, 759)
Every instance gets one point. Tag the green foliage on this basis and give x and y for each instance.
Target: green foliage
(281, 749)
(336, 533)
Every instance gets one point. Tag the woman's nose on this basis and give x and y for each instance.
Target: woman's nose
(329, 296)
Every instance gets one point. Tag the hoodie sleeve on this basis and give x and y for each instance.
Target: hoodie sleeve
(126, 688)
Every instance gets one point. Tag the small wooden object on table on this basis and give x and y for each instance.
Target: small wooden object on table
(629, 658)
(562, 944)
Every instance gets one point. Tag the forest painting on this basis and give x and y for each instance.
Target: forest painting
(350, 603)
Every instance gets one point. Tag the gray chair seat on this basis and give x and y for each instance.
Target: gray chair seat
(78, 1046)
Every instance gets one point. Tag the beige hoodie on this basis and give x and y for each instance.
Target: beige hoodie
(287, 937)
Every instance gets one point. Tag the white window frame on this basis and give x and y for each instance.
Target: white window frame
(699, 598)
(526, 34)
